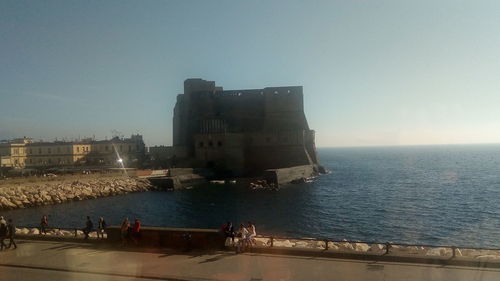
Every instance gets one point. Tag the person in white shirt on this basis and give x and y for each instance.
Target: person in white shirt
(251, 233)
(243, 236)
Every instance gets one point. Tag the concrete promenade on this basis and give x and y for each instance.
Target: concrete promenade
(47, 260)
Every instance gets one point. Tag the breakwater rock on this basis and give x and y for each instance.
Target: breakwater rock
(19, 195)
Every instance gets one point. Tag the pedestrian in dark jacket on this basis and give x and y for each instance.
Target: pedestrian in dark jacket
(101, 228)
(11, 232)
(88, 228)
(3, 233)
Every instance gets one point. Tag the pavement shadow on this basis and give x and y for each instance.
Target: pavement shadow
(218, 257)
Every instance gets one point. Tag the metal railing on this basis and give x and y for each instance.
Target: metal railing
(387, 246)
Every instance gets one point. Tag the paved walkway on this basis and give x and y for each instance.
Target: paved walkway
(42, 260)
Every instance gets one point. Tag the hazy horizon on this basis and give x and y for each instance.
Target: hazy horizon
(381, 73)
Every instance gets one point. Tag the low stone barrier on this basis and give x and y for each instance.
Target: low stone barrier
(212, 239)
(45, 193)
(287, 175)
(175, 238)
(378, 249)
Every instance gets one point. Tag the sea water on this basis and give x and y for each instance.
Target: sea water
(412, 194)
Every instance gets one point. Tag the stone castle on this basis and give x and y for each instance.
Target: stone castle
(242, 132)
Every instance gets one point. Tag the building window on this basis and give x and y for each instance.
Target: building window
(50, 161)
(210, 143)
(200, 144)
(31, 151)
(49, 150)
(219, 143)
(40, 151)
(77, 149)
(129, 148)
(121, 148)
(31, 161)
(58, 149)
(68, 149)
(106, 148)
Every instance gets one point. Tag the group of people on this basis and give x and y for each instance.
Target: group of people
(129, 232)
(7, 230)
(246, 235)
(89, 227)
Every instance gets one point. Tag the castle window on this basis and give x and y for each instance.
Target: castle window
(49, 150)
(200, 144)
(39, 151)
(219, 143)
(77, 149)
(210, 144)
(67, 149)
(58, 149)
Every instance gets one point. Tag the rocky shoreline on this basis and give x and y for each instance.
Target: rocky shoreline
(19, 195)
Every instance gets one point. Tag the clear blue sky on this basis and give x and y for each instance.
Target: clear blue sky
(374, 72)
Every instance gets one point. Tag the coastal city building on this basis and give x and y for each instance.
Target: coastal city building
(25, 153)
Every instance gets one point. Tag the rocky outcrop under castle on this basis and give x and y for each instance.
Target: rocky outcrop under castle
(14, 196)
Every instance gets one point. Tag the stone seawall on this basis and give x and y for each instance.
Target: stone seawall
(25, 195)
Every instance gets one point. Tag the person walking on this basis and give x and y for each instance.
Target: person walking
(136, 231)
(11, 231)
(124, 230)
(3, 233)
(88, 228)
(228, 230)
(44, 223)
(101, 228)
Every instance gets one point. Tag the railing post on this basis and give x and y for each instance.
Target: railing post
(387, 247)
(326, 244)
(76, 232)
(272, 241)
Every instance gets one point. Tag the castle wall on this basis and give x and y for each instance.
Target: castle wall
(258, 129)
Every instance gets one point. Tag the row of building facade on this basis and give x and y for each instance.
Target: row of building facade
(25, 153)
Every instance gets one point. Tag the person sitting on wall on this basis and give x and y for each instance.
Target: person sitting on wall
(228, 230)
(136, 231)
(88, 228)
(251, 234)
